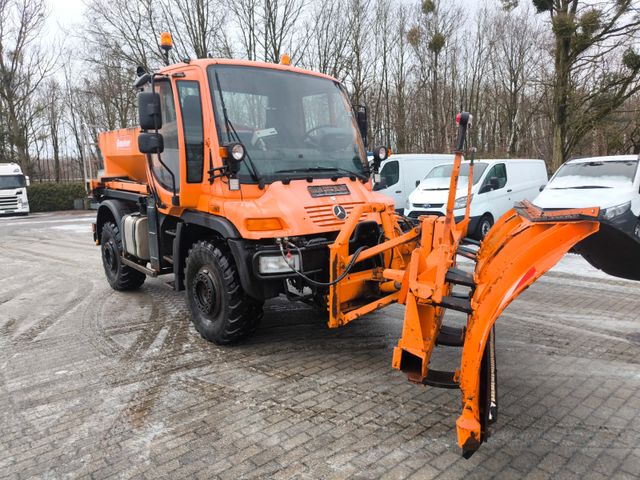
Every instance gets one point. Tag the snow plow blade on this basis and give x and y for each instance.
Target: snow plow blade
(522, 246)
(612, 251)
(417, 267)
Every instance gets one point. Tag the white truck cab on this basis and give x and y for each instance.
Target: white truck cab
(13, 190)
(401, 173)
(497, 185)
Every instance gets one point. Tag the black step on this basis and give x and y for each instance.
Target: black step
(467, 252)
(450, 336)
(455, 303)
(470, 241)
(440, 379)
(459, 277)
(459, 295)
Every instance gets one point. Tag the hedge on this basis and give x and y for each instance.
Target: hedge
(49, 197)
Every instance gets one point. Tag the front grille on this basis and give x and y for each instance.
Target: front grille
(417, 213)
(9, 203)
(428, 205)
(322, 215)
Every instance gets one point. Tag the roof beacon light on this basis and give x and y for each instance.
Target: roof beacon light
(285, 59)
(166, 41)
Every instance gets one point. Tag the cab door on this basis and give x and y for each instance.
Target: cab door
(194, 144)
(494, 195)
(390, 184)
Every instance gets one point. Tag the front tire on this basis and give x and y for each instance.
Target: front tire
(484, 225)
(120, 276)
(220, 309)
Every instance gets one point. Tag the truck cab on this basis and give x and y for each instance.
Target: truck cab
(13, 190)
(237, 181)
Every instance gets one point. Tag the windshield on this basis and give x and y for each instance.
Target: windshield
(596, 174)
(290, 123)
(444, 171)
(12, 181)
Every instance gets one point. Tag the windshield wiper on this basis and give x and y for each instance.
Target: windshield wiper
(230, 128)
(361, 176)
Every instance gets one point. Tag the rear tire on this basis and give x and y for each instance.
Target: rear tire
(120, 276)
(484, 225)
(220, 309)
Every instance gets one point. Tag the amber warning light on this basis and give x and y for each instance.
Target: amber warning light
(166, 41)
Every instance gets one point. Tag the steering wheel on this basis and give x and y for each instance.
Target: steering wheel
(307, 135)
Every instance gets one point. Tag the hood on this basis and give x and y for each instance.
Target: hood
(436, 190)
(306, 208)
(437, 183)
(583, 197)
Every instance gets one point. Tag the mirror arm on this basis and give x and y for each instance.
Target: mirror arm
(175, 199)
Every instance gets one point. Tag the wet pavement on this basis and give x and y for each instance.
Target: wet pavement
(98, 383)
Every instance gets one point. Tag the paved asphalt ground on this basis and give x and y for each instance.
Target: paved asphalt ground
(95, 383)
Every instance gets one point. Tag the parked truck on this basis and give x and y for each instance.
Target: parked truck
(13, 190)
(249, 180)
(232, 159)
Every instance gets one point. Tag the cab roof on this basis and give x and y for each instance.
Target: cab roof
(203, 63)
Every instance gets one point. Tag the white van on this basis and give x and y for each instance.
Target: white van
(497, 185)
(611, 183)
(13, 190)
(399, 174)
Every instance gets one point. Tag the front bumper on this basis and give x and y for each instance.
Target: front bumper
(314, 262)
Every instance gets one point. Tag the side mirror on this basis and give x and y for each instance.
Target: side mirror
(150, 143)
(541, 188)
(149, 112)
(27, 180)
(363, 122)
(494, 183)
(417, 182)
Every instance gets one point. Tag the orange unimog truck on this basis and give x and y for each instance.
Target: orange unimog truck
(237, 181)
(250, 180)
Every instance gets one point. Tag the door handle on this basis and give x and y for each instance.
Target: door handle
(398, 191)
(509, 191)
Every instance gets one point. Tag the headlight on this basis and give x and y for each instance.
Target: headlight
(613, 212)
(461, 202)
(276, 264)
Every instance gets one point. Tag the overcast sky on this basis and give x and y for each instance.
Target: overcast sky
(66, 13)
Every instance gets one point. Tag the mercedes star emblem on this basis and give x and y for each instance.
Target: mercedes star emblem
(339, 212)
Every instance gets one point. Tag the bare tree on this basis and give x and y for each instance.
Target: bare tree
(595, 67)
(24, 66)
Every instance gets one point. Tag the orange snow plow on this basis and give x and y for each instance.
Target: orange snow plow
(421, 272)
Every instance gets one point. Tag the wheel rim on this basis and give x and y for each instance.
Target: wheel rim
(204, 292)
(109, 256)
(485, 227)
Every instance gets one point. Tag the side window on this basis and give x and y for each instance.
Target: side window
(390, 173)
(497, 175)
(171, 156)
(191, 109)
